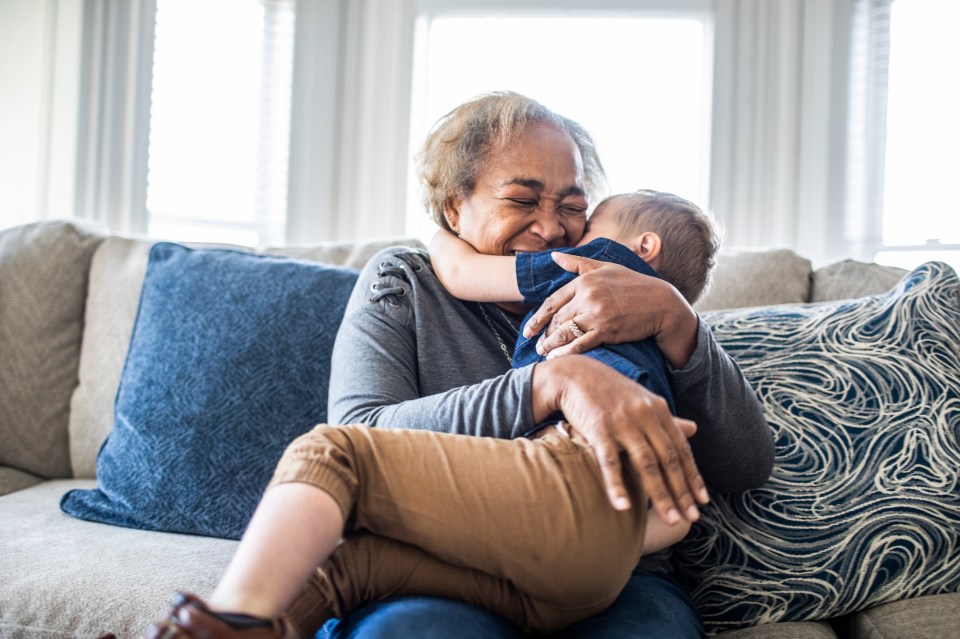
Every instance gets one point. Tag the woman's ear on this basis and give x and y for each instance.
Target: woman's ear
(647, 245)
(451, 213)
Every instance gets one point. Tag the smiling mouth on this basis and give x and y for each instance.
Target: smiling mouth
(513, 252)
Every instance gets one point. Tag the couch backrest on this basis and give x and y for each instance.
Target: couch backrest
(64, 285)
(43, 283)
(757, 278)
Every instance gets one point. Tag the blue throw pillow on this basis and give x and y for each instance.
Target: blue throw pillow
(864, 503)
(229, 361)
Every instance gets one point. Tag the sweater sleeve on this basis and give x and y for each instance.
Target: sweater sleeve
(733, 445)
(408, 355)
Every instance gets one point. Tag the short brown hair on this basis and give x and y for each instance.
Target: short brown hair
(452, 156)
(690, 237)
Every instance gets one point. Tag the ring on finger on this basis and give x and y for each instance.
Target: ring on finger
(575, 329)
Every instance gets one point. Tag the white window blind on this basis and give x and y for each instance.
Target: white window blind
(904, 132)
(219, 120)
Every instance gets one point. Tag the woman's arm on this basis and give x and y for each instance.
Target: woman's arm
(409, 355)
(470, 275)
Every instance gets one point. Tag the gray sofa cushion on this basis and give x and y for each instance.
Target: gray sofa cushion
(850, 278)
(12, 479)
(116, 275)
(784, 630)
(757, 278)
(63, 577)
(932, 616)
(43, 288)
(352, 254)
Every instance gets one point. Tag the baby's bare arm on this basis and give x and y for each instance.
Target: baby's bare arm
(470, 275)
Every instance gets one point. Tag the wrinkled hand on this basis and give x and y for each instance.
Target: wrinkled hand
(613, 304)
(615, 414)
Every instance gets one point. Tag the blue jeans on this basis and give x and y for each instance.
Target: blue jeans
(650, 607)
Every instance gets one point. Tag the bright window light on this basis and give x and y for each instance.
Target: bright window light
(923, 133)
(641, 86)
(219, 120)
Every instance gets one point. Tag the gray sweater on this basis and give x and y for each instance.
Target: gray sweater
(410, 355)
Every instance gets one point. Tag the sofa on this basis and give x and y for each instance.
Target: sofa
(85, 317)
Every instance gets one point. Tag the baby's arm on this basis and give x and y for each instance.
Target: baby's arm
(470, 275)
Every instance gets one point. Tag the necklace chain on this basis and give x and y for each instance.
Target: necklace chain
(496, 333)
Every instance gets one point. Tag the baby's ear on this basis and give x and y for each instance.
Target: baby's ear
(647, 245)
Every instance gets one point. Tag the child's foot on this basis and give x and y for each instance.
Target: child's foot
(190, 618)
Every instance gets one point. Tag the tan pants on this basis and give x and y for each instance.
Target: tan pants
(519, 527)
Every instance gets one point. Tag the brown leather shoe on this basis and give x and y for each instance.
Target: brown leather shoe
(190, 618)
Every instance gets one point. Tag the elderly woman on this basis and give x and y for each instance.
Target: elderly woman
(508, 175)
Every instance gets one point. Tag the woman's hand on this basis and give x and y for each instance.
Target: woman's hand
(612, 304)
(615, 414)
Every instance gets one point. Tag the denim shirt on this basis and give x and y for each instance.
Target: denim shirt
(538, 276)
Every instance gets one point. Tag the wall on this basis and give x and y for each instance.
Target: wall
(39, 80)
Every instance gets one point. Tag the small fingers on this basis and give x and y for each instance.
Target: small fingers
(545, 314)
(566, 335)
(582, 344)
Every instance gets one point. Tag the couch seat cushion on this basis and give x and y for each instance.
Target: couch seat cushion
(783, 630)
(62, 577)
(932, 616)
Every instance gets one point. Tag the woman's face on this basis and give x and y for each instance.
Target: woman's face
(529, 196)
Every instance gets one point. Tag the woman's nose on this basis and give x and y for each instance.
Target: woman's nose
(548, 226)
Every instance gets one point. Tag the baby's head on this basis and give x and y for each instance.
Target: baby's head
(670, 233)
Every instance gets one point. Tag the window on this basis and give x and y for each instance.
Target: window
(915, 161)
(639, 83)
(219, 120)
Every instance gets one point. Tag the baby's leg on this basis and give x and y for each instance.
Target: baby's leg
(660, 535)
(531, 512)
(367, 567)
(295, 527)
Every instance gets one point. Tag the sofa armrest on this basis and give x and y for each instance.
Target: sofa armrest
(43, 288)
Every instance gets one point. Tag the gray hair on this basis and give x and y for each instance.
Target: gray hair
(453, 153)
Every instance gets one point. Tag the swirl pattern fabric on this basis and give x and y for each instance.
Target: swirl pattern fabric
(229, 361)
(863, 506)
